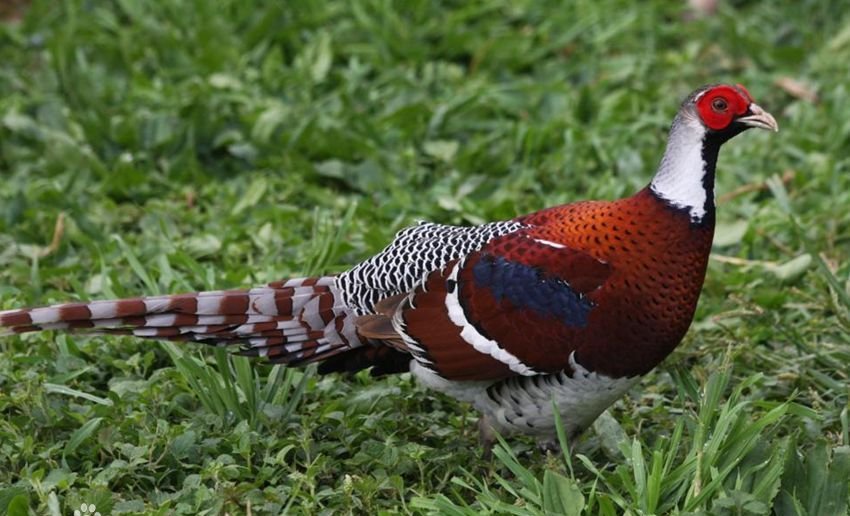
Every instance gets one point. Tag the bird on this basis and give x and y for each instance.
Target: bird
(559, 311)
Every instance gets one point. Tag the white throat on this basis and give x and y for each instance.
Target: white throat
(679, 179)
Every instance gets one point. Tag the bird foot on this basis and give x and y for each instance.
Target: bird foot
(549, 446)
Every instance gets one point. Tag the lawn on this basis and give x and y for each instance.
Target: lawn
(162, 147)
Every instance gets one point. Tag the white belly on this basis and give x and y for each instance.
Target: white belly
(524, 404)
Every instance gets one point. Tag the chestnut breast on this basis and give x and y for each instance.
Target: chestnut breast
(658, 260)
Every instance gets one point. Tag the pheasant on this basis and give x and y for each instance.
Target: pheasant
(565, 308)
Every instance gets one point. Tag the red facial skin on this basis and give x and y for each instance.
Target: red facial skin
(720, 105)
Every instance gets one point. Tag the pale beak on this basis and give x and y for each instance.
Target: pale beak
(759, 118)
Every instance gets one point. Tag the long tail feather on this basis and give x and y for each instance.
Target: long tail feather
(295, 321)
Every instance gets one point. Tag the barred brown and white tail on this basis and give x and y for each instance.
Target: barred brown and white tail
(296, 321)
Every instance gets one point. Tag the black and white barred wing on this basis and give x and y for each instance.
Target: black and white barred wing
(377, 284)
(415, 252)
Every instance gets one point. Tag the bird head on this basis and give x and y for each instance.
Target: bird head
(709, 117)
(726, 110)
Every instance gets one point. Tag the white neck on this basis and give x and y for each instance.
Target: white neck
(679, 179)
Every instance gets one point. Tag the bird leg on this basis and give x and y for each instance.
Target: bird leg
(486, 437)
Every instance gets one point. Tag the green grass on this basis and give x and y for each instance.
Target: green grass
(193, 146)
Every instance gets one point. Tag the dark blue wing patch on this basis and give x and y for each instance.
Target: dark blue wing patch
(529, 287)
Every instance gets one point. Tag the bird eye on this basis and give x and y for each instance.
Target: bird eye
(719, 104)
